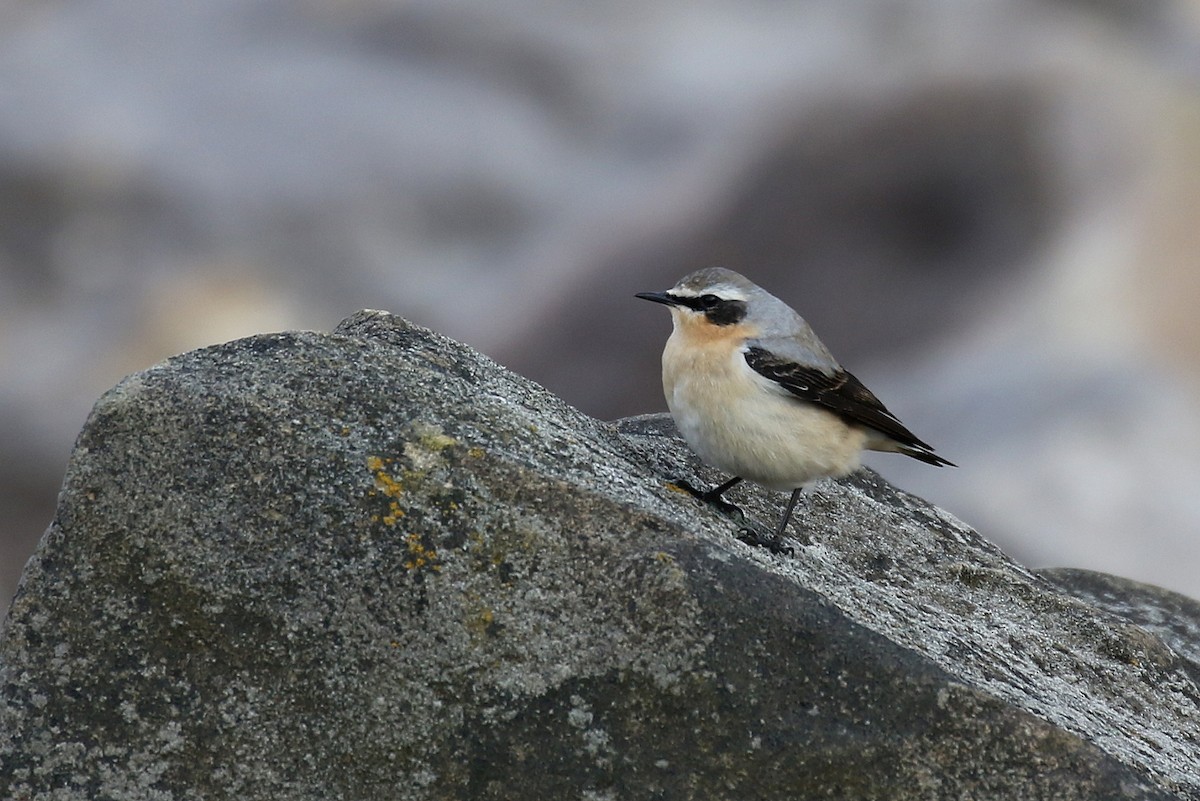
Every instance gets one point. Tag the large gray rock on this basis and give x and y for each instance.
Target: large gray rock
(968, 200)
(375, 564)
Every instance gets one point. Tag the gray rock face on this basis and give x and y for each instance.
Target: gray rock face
(376, 565)
(968, 200)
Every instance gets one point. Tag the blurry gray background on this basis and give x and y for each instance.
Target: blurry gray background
(989, 210)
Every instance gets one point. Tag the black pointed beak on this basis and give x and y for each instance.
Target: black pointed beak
(664, 298)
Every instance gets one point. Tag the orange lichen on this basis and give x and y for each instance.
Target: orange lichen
(420, 555)
(384, 481)
(387, 485)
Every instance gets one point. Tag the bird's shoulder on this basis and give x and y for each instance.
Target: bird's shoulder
(808, 377)
(800, 371)
(802, 356)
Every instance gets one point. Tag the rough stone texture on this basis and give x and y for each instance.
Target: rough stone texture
(376, 565)
(1168, 615)
(987, 209)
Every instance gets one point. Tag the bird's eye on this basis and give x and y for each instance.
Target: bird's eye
(709, 301)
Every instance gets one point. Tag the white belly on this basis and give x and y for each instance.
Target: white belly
(728, 415)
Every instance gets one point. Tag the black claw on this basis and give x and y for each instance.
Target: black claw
(686, 486)
(773, 543)
(711, 497)
(732, 510)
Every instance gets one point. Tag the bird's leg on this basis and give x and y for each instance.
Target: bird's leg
(787, 513)
(713, 496)
(774, 543)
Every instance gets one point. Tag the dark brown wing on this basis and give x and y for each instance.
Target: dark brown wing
(842, 394)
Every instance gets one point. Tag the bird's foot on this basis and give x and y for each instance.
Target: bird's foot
(772, 541)
(710, 497)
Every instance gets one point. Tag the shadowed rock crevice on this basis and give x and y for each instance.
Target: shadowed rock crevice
(375, 564)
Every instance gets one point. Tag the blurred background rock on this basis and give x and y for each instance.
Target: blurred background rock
(990, 211)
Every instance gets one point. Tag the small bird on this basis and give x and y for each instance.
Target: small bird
(757, 395)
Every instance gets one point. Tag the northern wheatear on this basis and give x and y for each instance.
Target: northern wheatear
(757, 395)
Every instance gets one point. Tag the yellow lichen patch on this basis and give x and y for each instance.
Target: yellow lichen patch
(394, 514)
(387, 485)
(424, 450)
(385, 481)
(676, 488)
(436, 441)
(480, 621)
(476, 453)
(419, 555)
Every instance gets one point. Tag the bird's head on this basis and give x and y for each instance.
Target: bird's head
(710, 297)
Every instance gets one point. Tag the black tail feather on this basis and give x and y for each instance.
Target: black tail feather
(926, 456)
